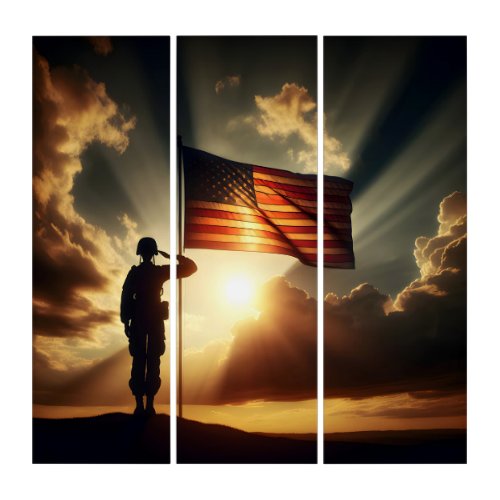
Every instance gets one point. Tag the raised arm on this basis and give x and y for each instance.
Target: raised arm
(186, 267)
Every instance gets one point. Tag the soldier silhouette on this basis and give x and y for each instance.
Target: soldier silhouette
(143, 313)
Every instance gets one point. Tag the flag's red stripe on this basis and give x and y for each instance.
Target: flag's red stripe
(338, 211)
(333, 217)
(272, 199)
(306, 196)
(206, 212)
(272, 214)
(340, 258)
(279, 200)
(284, 173)
(330, 181)
(345, 259)
(193, 229)
(299, 229)
(206, 228)
(339, 265)
(245, 247)
(288, 187)
(330, 223)
(288, 194)
(313, 229)
(220, 214)
(297, 189)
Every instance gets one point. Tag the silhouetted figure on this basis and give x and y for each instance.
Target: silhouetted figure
(143, 314)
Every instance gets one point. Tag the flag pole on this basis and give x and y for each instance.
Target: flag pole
(181, 252)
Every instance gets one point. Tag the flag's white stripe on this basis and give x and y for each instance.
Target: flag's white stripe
(257, 240)
(235, 223)
(225, 207)
(297, 181)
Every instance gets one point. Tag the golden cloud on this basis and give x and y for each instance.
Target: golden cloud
(291, 113)
(76, 264)
(373, 346)
(415, 345)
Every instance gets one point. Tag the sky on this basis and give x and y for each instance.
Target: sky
(395, 118)
(100, 181)
(395, 336)
(252, 100)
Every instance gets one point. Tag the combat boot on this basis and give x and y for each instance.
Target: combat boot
(150, 409)
(139, 408)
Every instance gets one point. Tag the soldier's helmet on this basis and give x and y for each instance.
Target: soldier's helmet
(147, 246)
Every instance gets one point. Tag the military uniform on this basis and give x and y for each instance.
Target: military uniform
(141, 308)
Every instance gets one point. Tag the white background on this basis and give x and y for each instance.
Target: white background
(20, 22)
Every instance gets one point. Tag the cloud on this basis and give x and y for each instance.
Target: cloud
(287, 113)
(401, 406)
(335, 158)
(230, 81)
(274, 356)
(77, 266)
(291, 114)
(101, 44)
(374, 346)
(430, 252)
(409, 354)
(417, 343)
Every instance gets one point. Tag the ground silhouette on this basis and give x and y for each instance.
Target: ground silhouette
(432, 446)
(112, 438)
(123, 438)
(212, 443)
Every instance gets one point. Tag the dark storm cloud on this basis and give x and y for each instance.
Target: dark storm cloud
(72, 258)
(75, 318)
(274, 356)
(415, 345)
(373, 346)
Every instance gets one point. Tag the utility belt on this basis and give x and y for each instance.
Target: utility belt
(162, 307)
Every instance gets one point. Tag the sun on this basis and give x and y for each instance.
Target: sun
(239, 290)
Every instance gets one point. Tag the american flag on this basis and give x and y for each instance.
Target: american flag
(236, 206)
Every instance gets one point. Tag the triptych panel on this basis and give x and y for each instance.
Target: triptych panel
(391, 350)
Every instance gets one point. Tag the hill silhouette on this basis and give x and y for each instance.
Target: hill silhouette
(112, 438)
(212, 443)
(432, 446)
(123, 438)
